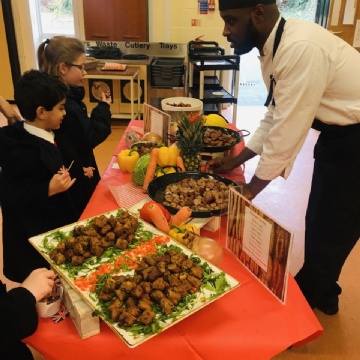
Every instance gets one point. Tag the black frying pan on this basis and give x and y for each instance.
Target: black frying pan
(238, 135)
(156, 189)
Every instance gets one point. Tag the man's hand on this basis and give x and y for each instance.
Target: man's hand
(220, 165)
(246, 191)
(254, 187)
(226, 164)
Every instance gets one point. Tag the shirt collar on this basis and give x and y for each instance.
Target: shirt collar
(269, 43)
(41, 133)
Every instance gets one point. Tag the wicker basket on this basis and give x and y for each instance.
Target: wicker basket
(91, 63)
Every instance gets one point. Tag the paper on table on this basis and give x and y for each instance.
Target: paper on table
(157, 123)
(127, 195)
(138, 129)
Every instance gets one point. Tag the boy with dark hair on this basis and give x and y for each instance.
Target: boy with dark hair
(33, 181)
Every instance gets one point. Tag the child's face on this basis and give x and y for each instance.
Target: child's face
(73, 75)
(53, 118)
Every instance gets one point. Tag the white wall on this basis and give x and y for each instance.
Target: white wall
(159, 20)
(211, 24)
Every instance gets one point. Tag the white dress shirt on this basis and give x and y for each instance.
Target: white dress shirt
(317, 76)
(46, 135)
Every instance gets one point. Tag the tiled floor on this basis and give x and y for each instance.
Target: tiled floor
(104, 151)
(285, 201)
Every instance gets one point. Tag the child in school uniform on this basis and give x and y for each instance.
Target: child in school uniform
(34, 183)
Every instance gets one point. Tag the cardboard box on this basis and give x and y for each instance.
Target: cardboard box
(80, 313)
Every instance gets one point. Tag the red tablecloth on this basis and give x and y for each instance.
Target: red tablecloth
(248, 323)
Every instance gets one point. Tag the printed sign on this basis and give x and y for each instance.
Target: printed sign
(259, 242)
(156, 121)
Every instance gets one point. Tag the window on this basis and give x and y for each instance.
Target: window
(53, 17)
(32, 25)
(56, 17)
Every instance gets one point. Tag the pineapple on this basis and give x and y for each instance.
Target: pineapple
(189, 139)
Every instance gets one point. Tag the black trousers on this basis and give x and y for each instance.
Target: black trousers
(333, 214)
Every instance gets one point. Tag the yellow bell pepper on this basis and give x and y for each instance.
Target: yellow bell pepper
(168, 155)
(165, 170)
(178, 232)
(127, 160)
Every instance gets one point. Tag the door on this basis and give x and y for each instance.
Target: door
(344, 20)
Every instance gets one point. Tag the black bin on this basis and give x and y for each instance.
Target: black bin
(167, 72)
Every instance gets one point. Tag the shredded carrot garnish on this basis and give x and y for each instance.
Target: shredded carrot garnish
(128, 257)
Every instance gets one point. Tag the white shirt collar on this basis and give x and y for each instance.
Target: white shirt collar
(269, 43)
(46, 135)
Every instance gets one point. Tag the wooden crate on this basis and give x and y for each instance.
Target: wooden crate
(81, 313)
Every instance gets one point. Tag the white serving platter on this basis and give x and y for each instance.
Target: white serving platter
(203, 297)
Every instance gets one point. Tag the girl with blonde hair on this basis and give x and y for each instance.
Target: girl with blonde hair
(79, 133)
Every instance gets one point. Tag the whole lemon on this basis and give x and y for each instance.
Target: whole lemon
(215, 120)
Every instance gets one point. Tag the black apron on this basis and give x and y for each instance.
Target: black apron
(278, 35)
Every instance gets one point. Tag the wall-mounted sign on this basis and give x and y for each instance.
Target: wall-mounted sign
(203, 6)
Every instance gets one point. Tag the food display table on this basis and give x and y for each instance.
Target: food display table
(247, 323)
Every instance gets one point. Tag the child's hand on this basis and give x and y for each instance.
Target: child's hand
(60, 182)
(89, 171)
(106, 97)
(39, 282)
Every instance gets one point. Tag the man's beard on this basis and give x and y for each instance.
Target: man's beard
(250, 40)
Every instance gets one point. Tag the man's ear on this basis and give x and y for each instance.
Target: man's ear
(258, 12)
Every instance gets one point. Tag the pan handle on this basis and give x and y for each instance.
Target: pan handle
(244, 132)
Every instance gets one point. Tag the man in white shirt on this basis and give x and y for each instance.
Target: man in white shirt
(313, 81)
